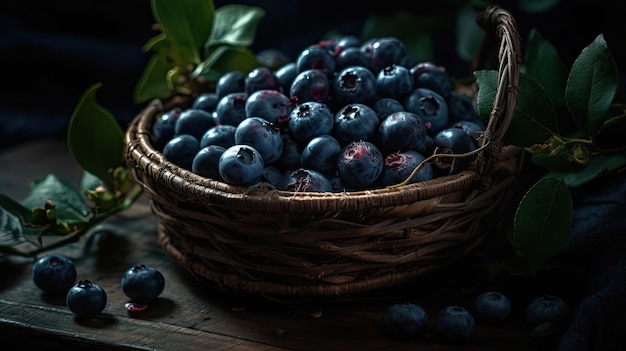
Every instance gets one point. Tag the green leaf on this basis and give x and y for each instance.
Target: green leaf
(69, 203)
(153, 81)
(11, 228)
(226, 58)
(543, 221)
(15, 208)
(599, 165)
(187, 23)
(543, 64)
(235, 25)
(537, 6)
(591, 86)
(534, 119)
(95, 138)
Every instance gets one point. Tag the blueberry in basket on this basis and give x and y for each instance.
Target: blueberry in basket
(181, 150)
(263, 136)
(355, 122)
(241, 165)
(359, 164)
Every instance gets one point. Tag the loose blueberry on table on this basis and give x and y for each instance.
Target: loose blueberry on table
(86, 299)
(54, 274)
(404, 321)
(142, 284)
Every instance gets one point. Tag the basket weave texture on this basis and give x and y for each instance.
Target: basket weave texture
(267, 242)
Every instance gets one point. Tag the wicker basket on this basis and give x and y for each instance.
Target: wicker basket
(284, 244)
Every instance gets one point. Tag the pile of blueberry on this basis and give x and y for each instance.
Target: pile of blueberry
(56, 274)
(546, 317)
(344, 115)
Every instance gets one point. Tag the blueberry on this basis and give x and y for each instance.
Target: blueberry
(222, 135)
(431, 106)
(231, 109)
(462, 108)
(399, 165)
(359, 164)
(181, 150)
(316, 57)
(386, 106)
(205, 101)
(271, 105)
(473, 128)
(206, 162)
(386, 51)
(241, 165)
(353, 84)
(355, 122)
(230, 82)
(142, 284)
(194, 122)
(454, 324)
(432, 76)
(261, 78)
(310, 85)
(306, 180)
(164, 127)
(86, 299)
(320, 154)
(310, 119)
(292, 151)
(401, 130)
(286, 75)
(54, 274)
(394, 81)
(453, 141)
(273, 176)
(351, 56)
(348, 41)
(263, 136)
(547, 308)
(492, 306)
(404, 321)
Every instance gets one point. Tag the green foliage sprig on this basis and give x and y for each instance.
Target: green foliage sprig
(550, 100)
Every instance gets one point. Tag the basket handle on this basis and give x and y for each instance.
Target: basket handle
(500, 25)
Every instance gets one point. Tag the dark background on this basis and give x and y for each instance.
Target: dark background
(52, 51)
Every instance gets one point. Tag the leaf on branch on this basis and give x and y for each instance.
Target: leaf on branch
(235, 25)
(187, 24)
(95, 138)
(69, 204)
(591, 86)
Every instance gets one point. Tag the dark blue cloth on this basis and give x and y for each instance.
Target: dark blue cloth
(597, 245)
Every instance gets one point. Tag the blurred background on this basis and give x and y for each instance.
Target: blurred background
(52, 51)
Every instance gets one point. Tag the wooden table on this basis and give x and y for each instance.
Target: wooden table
(191, 316)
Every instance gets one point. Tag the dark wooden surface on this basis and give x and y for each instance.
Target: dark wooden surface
(191, 316)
